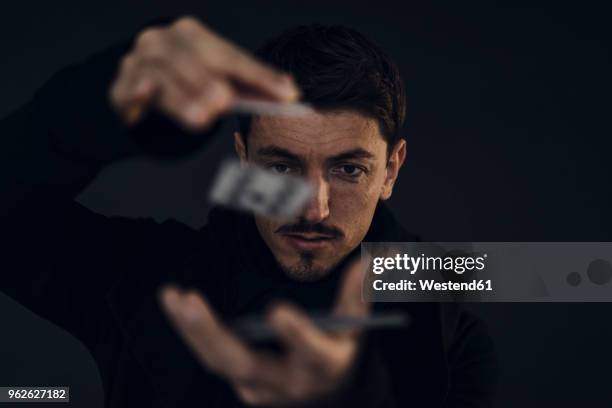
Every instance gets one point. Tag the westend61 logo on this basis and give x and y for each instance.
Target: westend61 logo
(413, 264)
(487, 271)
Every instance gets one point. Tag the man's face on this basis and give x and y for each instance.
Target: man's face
(344, 156)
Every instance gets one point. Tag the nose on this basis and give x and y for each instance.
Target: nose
(317, 209)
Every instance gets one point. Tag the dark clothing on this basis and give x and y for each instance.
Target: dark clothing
(98, 277)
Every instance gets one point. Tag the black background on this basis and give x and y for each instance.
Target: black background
(508, 133)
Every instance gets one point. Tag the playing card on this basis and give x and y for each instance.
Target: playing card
(259, 107)
(252, 188)
(255, 328)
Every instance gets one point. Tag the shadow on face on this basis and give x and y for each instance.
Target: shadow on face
(345, 157)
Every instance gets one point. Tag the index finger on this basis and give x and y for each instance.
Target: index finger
(212, 343)
(260, 77)
(350, 301)
(246, 70)
(305, 340)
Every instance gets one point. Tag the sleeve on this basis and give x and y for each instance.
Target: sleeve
(471, 358)
(471, 362)
(50, 149)
(371, 387)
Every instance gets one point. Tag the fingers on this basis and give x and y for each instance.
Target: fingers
(320, 351)
(350, 301)
(270, 381)
(260, 78)
(212, 343)
(194, 106)
(228, 60)
(131, 93)
(298, 331)
(257, 395)
(257, 378)
(193, 111)
(314, 364)
(308, 341)
(191, 74)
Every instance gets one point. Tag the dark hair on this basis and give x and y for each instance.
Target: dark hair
(337, 67)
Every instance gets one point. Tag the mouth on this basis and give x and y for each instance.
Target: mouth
(308, 240)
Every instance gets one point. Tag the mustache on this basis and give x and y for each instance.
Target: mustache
(304, 227)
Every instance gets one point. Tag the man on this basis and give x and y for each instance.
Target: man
(125, 288)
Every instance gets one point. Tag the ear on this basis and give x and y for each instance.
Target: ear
(394, 164)
(240, 147)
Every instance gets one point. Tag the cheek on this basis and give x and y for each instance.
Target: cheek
(353, 205)
(354, 196)
(363, 194)
(266, 227)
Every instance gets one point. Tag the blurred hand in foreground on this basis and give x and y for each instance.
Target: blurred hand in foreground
(315, 362)
(188, 72)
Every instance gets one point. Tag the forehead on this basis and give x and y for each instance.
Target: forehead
(317, 132)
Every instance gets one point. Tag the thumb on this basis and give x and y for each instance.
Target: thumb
(350, 301)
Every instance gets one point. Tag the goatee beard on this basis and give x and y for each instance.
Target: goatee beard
(305, 270)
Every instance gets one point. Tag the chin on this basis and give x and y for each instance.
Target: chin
(305, 267)
(303, 273)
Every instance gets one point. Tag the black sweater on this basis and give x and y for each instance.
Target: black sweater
(97, 277)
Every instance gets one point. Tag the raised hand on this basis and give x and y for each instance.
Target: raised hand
(191, 74)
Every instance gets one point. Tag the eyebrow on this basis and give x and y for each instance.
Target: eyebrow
(276, 151)
(357, 153)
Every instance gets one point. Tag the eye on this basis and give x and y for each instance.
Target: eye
(280, 168)
(349, 170)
